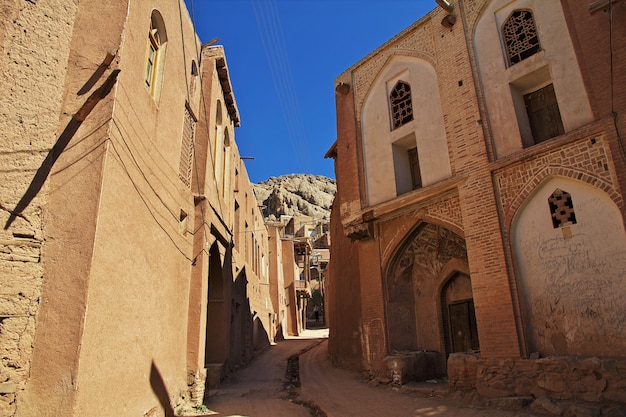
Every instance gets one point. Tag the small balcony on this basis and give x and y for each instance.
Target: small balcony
(303, 288)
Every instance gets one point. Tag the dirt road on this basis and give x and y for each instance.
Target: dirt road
(259, 390)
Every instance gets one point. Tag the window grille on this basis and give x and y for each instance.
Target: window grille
(401, 104)
(562, 209)
(520, 36)
(186, 149)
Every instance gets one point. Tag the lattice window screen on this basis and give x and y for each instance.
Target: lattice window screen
(401, 104)
(520, 36)
(186, 149)
(562, 209)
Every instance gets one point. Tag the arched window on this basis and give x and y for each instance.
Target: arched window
(520, 36)
(194, 78)
(401, 105)
(157, 37)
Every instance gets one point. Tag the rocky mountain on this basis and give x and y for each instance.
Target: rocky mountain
(296, 195)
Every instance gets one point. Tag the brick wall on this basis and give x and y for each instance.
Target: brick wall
(372, 307)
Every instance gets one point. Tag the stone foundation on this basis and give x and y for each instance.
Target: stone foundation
(590, 380)
(197, 386)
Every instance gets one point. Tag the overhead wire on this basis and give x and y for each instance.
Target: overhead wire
(274, 46)
(143, 198)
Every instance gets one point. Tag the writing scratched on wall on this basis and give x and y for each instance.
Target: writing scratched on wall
(576, 295)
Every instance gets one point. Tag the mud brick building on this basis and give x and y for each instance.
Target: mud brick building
(480, 209)
(133, 257)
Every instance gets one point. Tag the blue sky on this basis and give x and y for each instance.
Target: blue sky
(283, 57)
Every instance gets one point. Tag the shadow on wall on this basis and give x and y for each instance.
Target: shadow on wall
(160, 390)
(64, 139)
(262, 339)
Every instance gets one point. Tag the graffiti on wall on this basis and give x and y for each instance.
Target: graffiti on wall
(569, 244)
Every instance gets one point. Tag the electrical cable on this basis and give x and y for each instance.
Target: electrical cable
(273, 42)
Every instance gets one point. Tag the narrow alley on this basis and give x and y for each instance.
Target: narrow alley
(263, 389)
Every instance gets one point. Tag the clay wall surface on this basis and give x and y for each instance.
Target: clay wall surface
(277, 280)
(291, 272)
(233, 222)
(124, 221)
(31, 79)
(252, 254)
(138, 285)
(138, 253)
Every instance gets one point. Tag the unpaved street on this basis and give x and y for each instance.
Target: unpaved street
(259, 390)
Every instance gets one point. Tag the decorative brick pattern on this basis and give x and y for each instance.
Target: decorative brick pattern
(585, 160)
(448, 210)
(413, 43)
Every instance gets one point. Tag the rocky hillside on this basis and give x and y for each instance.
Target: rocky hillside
(296, 195)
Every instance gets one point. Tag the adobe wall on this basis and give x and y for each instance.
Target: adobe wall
(31, 80)
(291, 273)
(277, 281)
(252, 246)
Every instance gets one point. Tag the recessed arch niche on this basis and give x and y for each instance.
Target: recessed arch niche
(414, 285)
(570, 274)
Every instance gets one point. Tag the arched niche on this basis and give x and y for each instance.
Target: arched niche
(413, 286)
(570, 273)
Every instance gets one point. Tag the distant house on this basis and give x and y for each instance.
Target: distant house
(479, 218)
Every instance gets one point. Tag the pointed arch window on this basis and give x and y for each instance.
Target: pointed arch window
(401, 104)
(157, 38)
(520, 36)
(562, 209)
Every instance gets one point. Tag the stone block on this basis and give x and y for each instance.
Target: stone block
(494, 390)
(462, 370)
(553, 382)
(543, 405)
(614, 411)
(510, 403)
(8, 387)
(579, 410)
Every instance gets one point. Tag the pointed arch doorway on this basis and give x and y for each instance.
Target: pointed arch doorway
(460, 333)
(429, 300)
